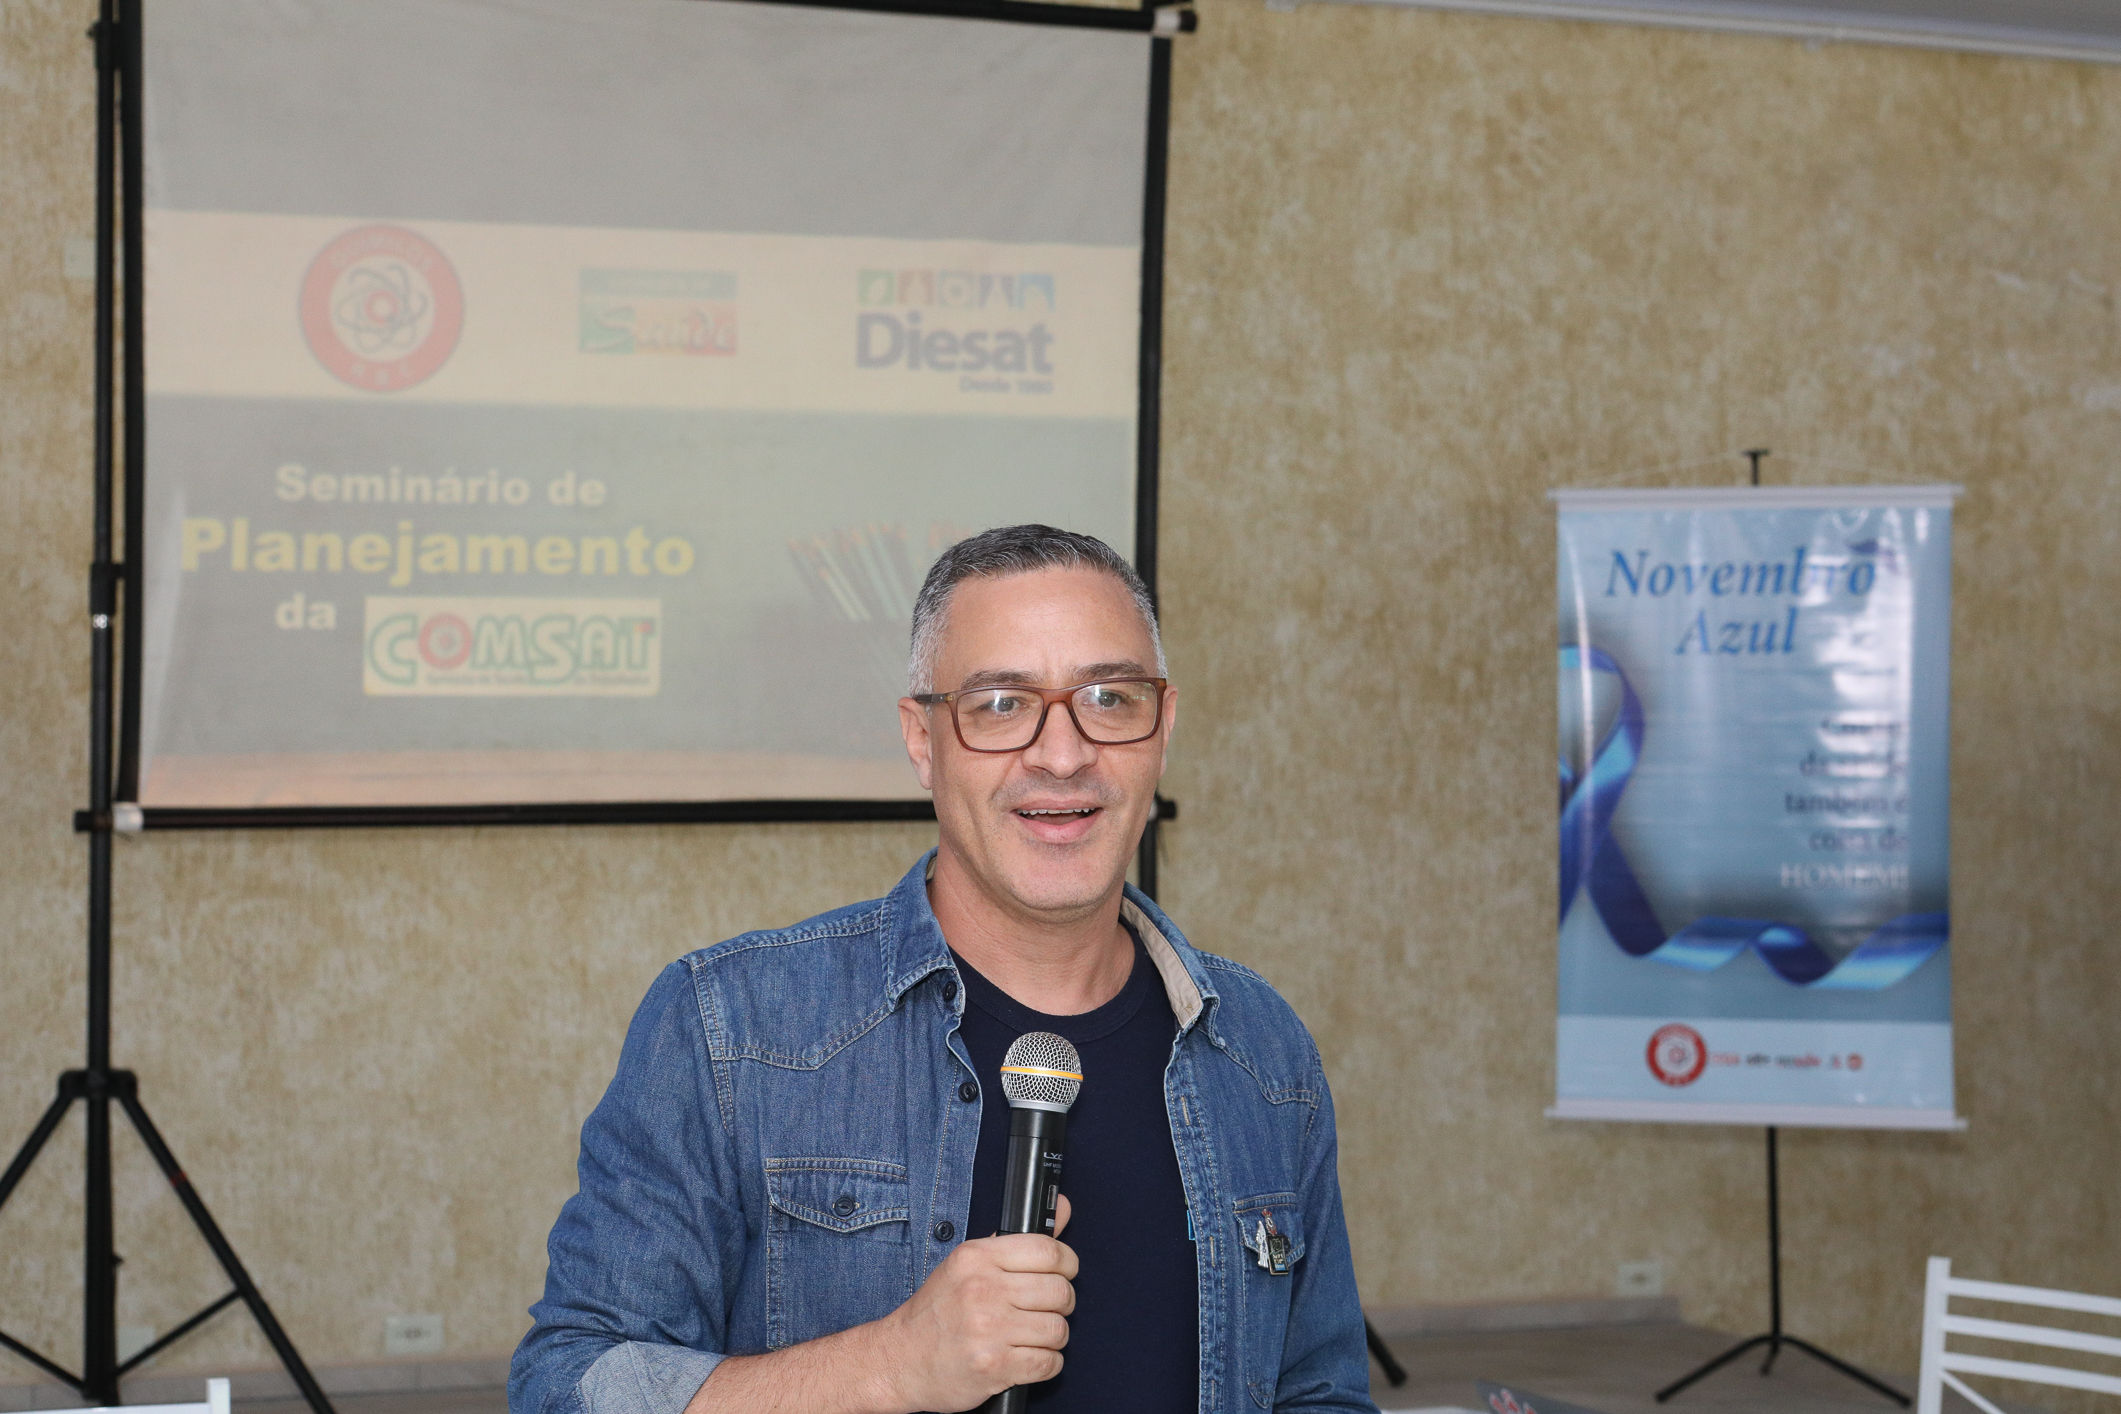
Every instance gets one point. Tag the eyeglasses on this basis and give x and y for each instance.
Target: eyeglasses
(1115, 712)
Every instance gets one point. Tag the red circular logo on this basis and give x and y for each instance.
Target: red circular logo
(382, 308)
(445, 642)
(1678, 1055)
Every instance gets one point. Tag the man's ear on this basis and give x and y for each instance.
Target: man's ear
(1163, 740)
(913, 725)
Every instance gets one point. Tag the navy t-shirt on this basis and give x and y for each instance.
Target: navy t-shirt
(1134, 1340)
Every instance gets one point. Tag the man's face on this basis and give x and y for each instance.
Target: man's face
(1048, 628)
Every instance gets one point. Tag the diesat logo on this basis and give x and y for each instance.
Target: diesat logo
(512, 647)
(958, 321)
(381, 308)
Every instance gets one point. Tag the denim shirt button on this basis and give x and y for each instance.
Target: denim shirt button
(945, 1230)
(845, 1205)
(949, 989)
(968, 1092)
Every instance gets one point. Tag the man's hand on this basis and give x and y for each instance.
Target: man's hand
(994, 1314)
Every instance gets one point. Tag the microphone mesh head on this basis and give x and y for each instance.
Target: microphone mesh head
(1041, 1072)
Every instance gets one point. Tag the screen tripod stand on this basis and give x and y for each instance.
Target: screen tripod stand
(98, 1085)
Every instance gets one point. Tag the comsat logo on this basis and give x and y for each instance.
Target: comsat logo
(957, 321)
(512, 647)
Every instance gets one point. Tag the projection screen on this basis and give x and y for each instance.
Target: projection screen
(561, 402)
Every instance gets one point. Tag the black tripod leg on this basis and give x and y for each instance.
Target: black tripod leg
(50, 1367)
(1851, 1371)
(1712, 1367)
(69, 1091)
(1395, 1373)
(38, 1138)
(225, 1254)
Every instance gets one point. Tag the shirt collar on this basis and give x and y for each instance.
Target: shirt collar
(912, 940)
(914, 946)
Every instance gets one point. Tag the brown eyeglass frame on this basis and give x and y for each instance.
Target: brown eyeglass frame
(1061, 696)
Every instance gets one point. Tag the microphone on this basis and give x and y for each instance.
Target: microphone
(1041, 1076)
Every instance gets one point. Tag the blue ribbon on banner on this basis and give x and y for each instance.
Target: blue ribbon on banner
(1592, 860)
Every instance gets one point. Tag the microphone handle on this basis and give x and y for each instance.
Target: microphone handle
(1038, 1141)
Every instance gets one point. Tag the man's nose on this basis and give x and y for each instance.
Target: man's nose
(1060, 750)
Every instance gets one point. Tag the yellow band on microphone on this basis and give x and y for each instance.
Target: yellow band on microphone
(1041, 1070)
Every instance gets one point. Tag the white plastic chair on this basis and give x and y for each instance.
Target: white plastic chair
(1939, 1364)
(216, 1403)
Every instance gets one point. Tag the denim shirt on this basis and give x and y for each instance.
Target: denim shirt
(785, 1152)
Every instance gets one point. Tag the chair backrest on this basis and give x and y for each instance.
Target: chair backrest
(216, 1403)
(1942, 1366)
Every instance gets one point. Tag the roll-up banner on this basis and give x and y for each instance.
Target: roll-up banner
(1754, 823)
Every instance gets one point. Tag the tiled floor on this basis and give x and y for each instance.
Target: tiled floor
(1611, 1369)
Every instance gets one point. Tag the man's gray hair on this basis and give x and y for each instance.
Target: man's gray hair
(1007, 550)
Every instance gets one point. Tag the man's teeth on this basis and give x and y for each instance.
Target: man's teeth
(1080, 810)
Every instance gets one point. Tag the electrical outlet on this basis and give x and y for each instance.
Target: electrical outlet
(1639, 1279)
(132, 1340)
(412, 1335)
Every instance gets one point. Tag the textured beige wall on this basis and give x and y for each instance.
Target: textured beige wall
(1422, 267)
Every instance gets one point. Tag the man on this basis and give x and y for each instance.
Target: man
(784, 1190)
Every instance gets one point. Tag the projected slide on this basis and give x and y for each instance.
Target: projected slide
(562, 402)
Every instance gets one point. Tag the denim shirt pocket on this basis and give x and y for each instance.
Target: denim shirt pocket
(1270, 1228)
(837, 1245)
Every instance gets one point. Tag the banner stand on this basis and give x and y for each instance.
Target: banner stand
(1775, 1338)
(1758, 932)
